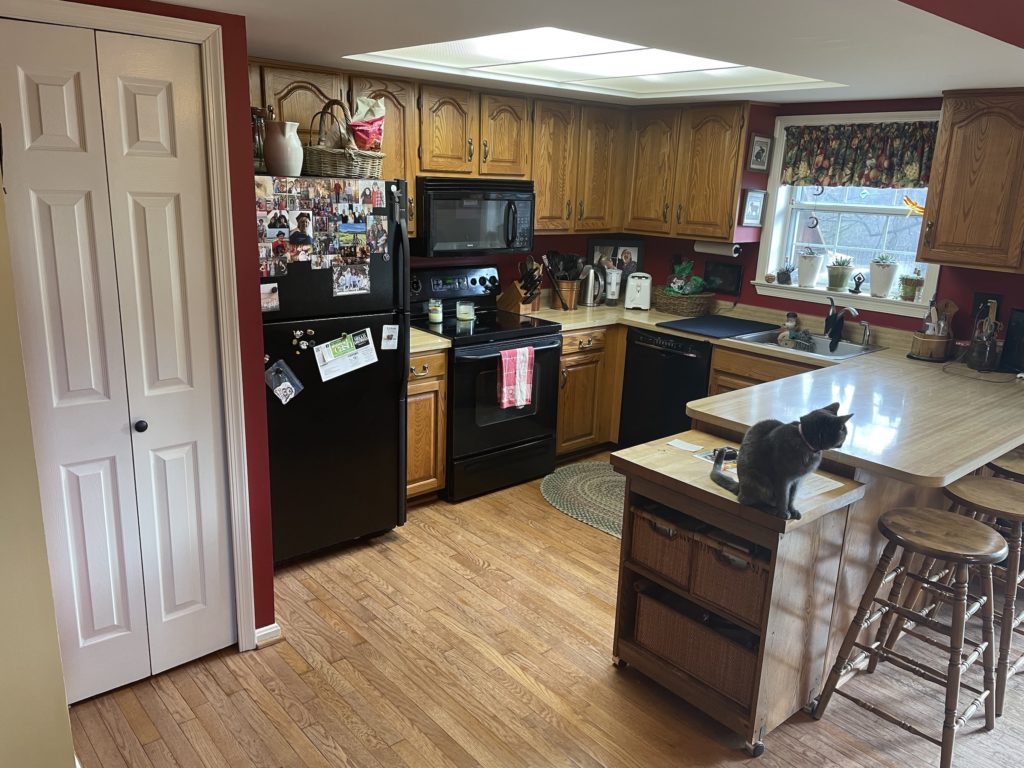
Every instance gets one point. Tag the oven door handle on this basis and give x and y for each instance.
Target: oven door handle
(462, 356)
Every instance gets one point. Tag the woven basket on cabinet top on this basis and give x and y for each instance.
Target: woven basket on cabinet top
(346, 161)
(691, 305)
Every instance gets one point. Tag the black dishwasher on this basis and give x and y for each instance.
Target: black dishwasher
(663, 373)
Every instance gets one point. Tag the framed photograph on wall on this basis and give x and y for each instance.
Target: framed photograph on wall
(753, 208)
(760, 152)
(723, 277)
(625, 253)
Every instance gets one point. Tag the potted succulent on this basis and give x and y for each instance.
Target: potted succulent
(809, 266)
(883, 270)
(785, 273)
(839, 270)
(910, 285)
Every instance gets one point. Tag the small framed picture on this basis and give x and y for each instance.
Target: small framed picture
(753, 208)
(760, 152)
(625, 253)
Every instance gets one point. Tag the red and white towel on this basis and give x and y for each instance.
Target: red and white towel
(515, 377)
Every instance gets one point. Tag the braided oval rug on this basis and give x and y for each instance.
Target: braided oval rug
(591, 492)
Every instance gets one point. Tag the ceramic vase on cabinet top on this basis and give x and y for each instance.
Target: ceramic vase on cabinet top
(282, 149)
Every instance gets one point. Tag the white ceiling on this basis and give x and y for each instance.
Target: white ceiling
(878, 48)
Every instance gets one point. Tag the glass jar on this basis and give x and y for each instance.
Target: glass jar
(465, 310)
(435, 311)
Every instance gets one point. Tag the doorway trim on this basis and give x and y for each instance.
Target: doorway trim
(209, 39)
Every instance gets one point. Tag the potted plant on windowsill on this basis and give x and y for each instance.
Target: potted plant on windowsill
(883, 270)
(910, 285)
(785, 273)
(808, 268)
(839, 270)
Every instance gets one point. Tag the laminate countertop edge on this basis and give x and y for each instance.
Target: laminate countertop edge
(424, 341)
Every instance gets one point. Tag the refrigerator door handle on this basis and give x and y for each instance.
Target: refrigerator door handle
(401, 242)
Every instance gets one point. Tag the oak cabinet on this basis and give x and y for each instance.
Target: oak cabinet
(974, 215)
(401, 129)
(708, 172)
(465, 132)
(732, 369)
(580, 394)
(296, 94)
(426, 423)
(654, 144)
(578, 166)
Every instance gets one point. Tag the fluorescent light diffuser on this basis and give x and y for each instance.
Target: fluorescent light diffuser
(645, 61)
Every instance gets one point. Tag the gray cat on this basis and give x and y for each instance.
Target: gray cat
(774, 458)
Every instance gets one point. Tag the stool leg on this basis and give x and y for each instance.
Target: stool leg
(956, 646)
(899, 622)
(988, 637)
(1009, 613)
(895, 595)
(846, 649)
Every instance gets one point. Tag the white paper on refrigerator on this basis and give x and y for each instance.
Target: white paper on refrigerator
(345, 354)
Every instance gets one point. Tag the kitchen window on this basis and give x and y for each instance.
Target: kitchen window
(857, 222)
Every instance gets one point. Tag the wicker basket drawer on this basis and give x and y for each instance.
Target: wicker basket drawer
(729, 578)
(661, 546)
(697, 650)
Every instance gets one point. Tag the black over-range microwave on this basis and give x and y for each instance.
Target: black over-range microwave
(471, 216)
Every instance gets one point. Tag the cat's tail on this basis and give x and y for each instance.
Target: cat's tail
(721, 477)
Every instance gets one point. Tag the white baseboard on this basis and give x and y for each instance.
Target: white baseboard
(268, 635)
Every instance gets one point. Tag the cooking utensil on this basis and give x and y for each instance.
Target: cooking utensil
(554, 283)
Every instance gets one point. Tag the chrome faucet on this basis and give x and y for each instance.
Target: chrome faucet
(866, 338)
(834, 323)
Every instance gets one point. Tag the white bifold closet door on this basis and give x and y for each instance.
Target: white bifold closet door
(105, 168)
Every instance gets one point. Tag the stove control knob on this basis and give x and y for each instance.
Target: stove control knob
(415, 285)
(492, 280)
(472, 281)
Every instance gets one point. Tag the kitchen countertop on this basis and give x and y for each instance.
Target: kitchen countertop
(913, 421)
(424, 341)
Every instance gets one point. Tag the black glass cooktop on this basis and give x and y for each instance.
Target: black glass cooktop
(488, 326)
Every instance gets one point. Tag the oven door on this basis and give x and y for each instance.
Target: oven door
(477, 421)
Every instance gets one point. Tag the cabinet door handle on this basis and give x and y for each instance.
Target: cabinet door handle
(586, 344)
(565, 378)
(679, 214)
(487, 149)
(568, 209)
(412, 209)
(664, 213)
(665, 531)
(423, 371)
(471, 150)
(732, 561)
(928, 234)
(580, 216)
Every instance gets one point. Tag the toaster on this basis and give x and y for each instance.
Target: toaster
(638, 291)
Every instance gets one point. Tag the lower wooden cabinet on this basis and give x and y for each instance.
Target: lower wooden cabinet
(581, 391)
(731, 369)
(426, 423)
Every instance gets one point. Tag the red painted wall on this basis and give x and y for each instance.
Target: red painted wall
(1001, 19)
(250, 323)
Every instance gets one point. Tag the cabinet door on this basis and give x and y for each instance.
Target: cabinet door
(578, 400)
(599, 178)
(653, 162)
(555, 128)
(448, 129)
(727, 382)
(707, 182)
(975, 209)
(400, 130)
(297, 95)
(425, 436)
(504, 136)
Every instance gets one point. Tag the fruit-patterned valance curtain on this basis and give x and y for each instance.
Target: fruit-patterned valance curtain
(881, 155)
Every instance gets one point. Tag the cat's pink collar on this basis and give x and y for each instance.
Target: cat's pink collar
(800, 429)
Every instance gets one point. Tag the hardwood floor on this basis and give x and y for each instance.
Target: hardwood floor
(476, 635)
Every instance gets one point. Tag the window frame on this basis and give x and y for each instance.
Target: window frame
(775, 232)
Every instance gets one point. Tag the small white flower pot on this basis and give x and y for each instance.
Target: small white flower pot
(808, 268)
(882, 278)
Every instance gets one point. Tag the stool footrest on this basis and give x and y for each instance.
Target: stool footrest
(888, 717)
(971, 708)
(917, 618)
(906, 663)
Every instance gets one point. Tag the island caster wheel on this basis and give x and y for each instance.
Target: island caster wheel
(619, 663)
(810, 706)
(755, 749)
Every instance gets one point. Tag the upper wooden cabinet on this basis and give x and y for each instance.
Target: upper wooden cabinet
(654, 144)
(974, 216)
(296, 95)
(400, 130)
(578, 160)
(708, 173)
(463, 132)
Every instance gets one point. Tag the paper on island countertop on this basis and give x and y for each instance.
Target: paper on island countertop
(812, 485)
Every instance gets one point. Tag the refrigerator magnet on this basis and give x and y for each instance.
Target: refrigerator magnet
(282, 381)
(389, 337)
(270, 298)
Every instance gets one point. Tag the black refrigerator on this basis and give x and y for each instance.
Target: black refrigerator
(334, 261)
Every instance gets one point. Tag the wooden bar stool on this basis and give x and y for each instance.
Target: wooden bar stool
(941, 536)
(1010, 464)
(999, 503)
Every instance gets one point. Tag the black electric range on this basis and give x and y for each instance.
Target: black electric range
(489, 447)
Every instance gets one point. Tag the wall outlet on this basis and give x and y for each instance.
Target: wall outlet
(980, 306)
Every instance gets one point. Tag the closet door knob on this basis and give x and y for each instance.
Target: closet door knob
(141, 426)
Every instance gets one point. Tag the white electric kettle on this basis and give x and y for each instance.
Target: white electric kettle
(638, 291)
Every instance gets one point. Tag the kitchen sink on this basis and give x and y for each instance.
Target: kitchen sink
(844, 350)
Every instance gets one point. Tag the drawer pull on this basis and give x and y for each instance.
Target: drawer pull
(665, 531)
(732, 560)
(423, 371)
(586, 344)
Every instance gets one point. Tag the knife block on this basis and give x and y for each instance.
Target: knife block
(511, 300)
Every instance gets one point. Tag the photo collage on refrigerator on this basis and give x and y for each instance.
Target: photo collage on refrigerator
(328, 223)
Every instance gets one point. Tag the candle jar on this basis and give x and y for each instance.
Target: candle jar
(465, 310)
(435, 312)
